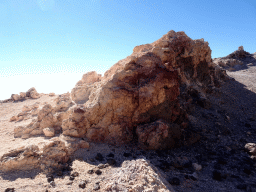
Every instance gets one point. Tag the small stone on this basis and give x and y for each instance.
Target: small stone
(106, 165)
(96, 187)
(69, 183)
(98, 172)
(101, 166)
(82, 184)
(111, 161)
(71, 178)
(197, 167)
(14, 118)
(50, 178)
(194, 176)
(174, 181)
(9, 190)
(99, 157)
(90, 171)
(48, 132)
(75, 174)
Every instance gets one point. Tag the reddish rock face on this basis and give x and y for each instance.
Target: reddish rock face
(138, 91)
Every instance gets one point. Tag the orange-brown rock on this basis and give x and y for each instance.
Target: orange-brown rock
(135, 93)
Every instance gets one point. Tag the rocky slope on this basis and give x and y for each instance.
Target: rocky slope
(185, 123)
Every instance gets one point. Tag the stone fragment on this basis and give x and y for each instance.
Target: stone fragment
(75, 174)
(98, 172)
(197, 167)
(82, 184)
(84, 144)
(26, 108)
(251, 148)
(10, 189)
(51, 94)
(100, 166)
(49, 132)
(14, 118)
(15, 97)
(22, 95)
(96, 187)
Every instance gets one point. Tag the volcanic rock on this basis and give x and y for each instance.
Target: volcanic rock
(137, 92)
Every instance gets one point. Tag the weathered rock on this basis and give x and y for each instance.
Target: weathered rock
(140, 173)
(14, 118)
(251, 148)
(137, 91)
(20, 159)
(49, 132)
(23, 95)
(15, 97)
(158, 135)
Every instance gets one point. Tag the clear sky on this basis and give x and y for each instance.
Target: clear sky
(49, 44)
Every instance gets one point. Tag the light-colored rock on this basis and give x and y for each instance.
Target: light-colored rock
(251, 148)
(32, 93)
(15, 97)
(20, 159)
(26, 108)
(14, 118)
(49, 132)
(51, 94)
(140, 174)
(197, 167)
(22, 95)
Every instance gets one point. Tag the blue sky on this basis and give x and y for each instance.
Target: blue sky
(44, 39)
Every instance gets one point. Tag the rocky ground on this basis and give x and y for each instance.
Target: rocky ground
(225, 121)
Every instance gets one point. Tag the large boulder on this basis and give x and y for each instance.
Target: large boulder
(136, 93)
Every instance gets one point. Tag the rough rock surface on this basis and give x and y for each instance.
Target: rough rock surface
(135, 92)
(30, 94)
(141, 174)
(236, 60)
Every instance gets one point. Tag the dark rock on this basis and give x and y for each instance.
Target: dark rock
(99, 157)
(52, 183)
(96, 187)
(98, 172)
(82, 184)
(127, 154)
(71, 178)
(90, 171)
(9, 190)
(75, 174)
(216, 175)
(111, 161)
(174, 181)
(50, 178)
(111, 155)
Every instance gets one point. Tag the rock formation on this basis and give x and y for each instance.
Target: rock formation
(235, 60)
(30, 94)
(138, 97)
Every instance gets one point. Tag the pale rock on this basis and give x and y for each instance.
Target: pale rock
(22, 95)
(51, 94)
(26, 108)
(251, 148)
(48, 132)
(197, 167)
(15, 97)
(140, 173)
(20, 159)
(32, 93)
(14, 118)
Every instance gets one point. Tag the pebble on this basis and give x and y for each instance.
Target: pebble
(98, 172)
(101, 166)
(50, 178)
(82, 184)
(9, 190)
(197, 167)
(90, 171)
(75, 174)
(69, 183)
(71, 178)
